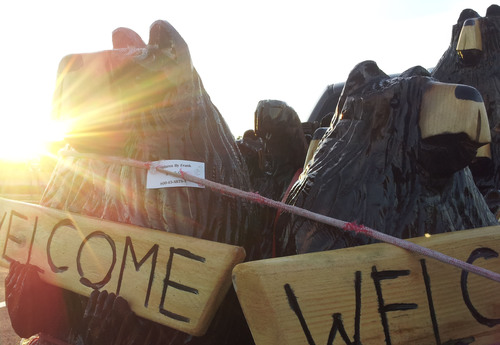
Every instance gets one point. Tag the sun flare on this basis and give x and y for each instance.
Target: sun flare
(24, 140)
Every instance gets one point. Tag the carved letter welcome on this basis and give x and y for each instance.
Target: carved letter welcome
(81, 253)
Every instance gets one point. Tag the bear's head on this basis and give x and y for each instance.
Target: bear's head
(393, 159)
(274, 152)
(110, 99)
(146, 102)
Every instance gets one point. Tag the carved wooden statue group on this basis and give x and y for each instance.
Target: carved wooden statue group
(409, 155)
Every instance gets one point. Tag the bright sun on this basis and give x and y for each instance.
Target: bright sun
(27, 140)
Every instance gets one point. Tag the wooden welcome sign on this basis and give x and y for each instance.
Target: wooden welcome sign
(175, 280)
(375, 294)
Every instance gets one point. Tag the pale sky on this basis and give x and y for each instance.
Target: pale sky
(244, 51)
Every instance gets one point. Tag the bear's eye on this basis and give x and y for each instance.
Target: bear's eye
(394, 102)
(345, 114)
(347, 109)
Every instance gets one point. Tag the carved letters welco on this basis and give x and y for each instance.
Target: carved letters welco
(383, 309)
(376, 294)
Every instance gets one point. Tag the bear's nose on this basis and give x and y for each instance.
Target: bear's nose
(453, 109)
(470, 43)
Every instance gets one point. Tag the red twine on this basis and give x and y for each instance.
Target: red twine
(357, 228)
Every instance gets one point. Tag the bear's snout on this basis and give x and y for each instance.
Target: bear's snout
(454, 109)
(470, 44)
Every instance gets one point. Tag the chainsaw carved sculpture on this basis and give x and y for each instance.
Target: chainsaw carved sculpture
(472, 59)
(147, 102)
(395, 159)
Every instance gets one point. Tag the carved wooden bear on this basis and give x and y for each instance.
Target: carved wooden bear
(147, 102)
(394, 159)
(473, 59)
(274, 152)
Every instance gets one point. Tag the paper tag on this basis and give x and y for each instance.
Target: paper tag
(156, 179)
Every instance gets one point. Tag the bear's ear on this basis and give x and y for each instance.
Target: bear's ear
(493, 11)
(415, 71)
(363, 74)
(126, 38)
(164, 36)
(466, 14)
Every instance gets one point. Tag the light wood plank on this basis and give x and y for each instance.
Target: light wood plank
(320, 287)
(79, 253)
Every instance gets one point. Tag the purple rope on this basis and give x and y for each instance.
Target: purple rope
(254, 197)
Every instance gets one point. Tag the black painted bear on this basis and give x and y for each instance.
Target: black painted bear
(274, 152)
(395, 159)
(473, 59)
